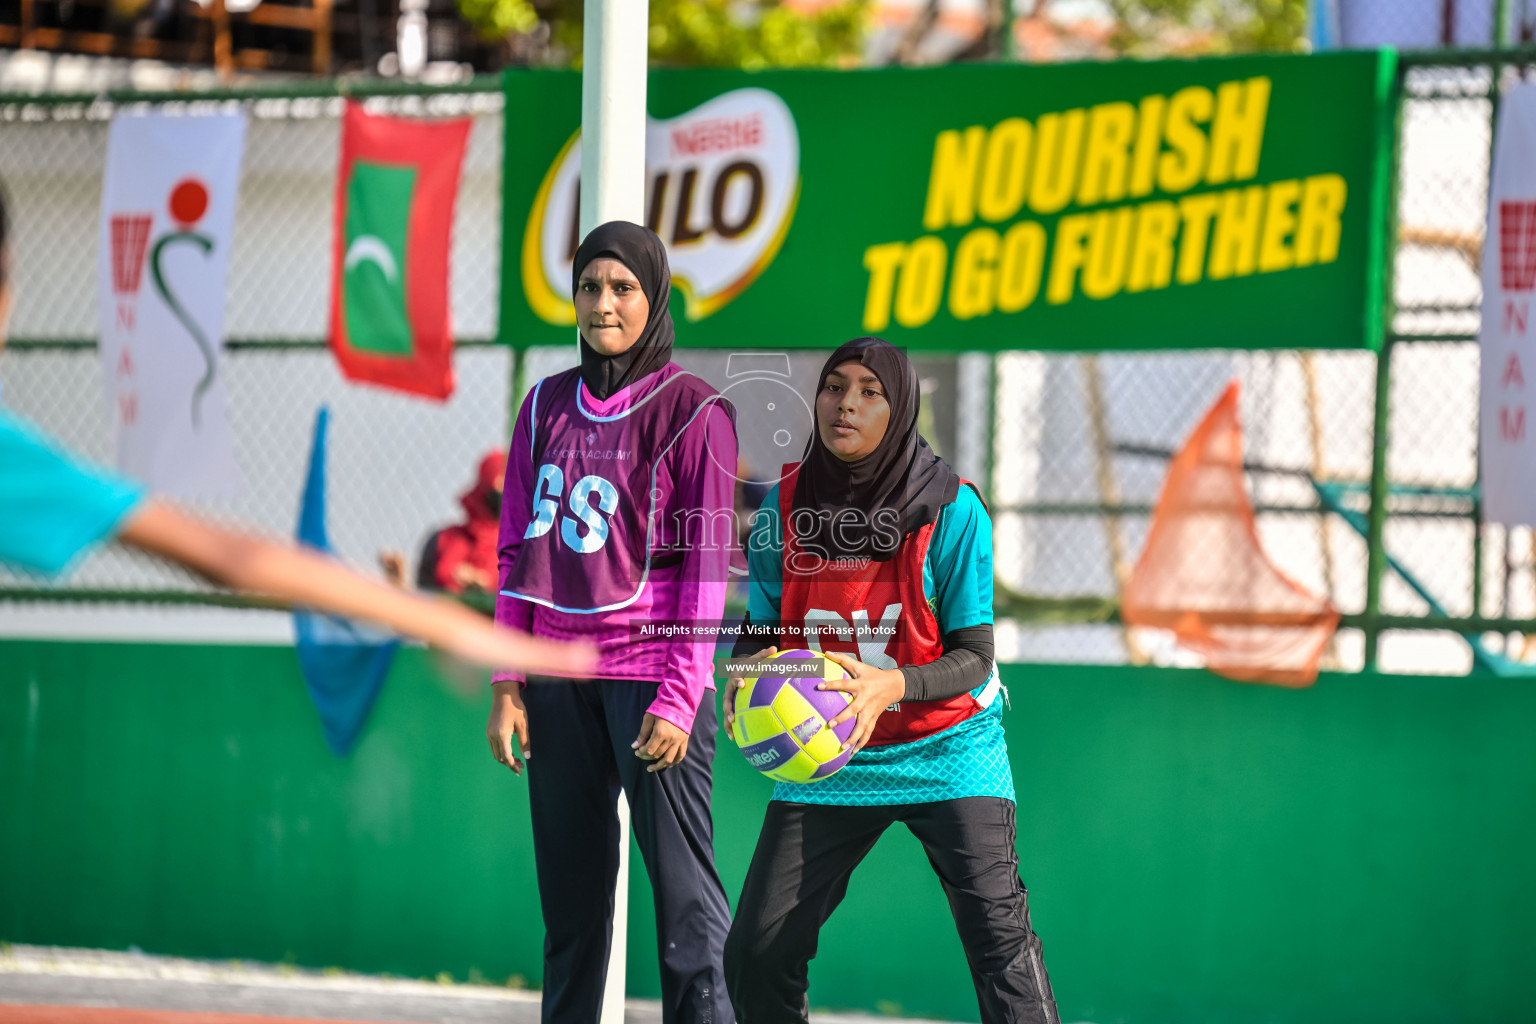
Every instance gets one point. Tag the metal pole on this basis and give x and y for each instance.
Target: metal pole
(1375, 541)
(1500, 27)
(989, 481)
(1479, 557)
(517, 379)
(1109, 494)
(614, 51)
(1319, 472)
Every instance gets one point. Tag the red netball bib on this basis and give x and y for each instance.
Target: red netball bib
(875, 612)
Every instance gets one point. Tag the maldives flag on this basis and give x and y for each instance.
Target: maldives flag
(389, 271)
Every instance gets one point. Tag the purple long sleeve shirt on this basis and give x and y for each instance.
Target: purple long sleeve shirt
(693, 472)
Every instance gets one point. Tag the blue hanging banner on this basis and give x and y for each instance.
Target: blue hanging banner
(344, 664)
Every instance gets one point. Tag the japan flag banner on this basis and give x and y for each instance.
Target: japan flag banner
(167, 221)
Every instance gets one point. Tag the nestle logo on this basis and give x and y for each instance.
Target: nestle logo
(719, 134)
(1517, 245)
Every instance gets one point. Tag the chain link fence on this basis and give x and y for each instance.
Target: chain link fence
(1078, 437)
(1081, 450)
(1448, 111)
(1072, 449)
(1432, 533)
(396, 464)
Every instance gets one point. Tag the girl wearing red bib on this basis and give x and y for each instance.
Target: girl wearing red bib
(873, 551)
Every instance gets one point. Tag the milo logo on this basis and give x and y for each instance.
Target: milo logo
(721, 185)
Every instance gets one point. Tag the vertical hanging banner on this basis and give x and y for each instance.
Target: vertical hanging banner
(1509, 284)
(395, 194)
(167, 221)
(344, 663)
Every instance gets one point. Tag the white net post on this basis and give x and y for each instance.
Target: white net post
(613, 83)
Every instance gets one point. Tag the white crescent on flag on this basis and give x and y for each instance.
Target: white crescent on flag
(372, 247)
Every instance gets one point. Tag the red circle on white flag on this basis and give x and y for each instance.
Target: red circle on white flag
(189, 201)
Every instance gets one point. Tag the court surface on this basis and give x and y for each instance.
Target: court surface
(52, 985)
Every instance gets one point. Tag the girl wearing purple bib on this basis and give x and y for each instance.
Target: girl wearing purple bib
(616, 522)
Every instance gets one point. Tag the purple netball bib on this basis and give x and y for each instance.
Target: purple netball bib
(598, 491)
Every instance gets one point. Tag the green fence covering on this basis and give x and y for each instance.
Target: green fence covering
(1197, 850)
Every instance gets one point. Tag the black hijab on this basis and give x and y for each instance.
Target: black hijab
(903, 474)
(642, 252)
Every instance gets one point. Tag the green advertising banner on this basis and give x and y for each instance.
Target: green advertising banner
(1221, 203)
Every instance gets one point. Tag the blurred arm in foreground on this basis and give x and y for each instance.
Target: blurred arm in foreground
(294, 576)
(54, 507)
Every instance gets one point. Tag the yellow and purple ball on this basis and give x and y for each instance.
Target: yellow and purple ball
(781, 721)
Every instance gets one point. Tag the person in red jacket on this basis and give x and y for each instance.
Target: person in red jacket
(461, 559)
(466, 553)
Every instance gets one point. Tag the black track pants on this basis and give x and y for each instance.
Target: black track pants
(580, 735)
(805, 856)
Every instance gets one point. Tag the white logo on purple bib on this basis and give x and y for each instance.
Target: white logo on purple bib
(546, 493)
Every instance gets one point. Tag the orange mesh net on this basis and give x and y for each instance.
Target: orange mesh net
(1204, 574)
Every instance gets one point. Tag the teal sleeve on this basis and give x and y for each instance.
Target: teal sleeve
(53, 507)
(957, 574)
(765, 561)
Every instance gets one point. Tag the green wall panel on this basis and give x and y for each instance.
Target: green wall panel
(1196, 850)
